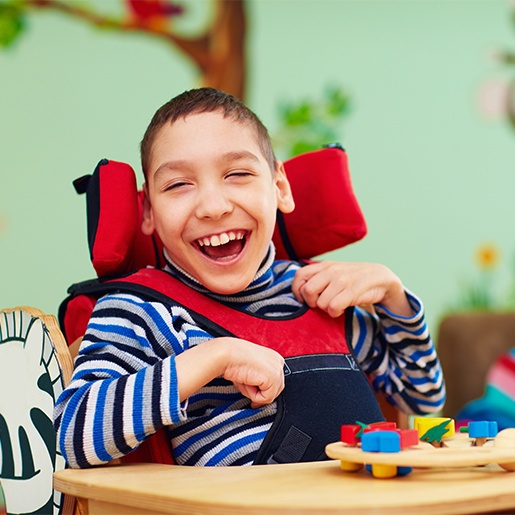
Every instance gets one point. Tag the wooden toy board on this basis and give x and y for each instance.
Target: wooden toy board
(458, 452)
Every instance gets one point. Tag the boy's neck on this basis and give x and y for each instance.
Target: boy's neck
(258, 281)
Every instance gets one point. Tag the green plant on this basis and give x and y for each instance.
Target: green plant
(482, 293)
(310, 124)
(12, 23)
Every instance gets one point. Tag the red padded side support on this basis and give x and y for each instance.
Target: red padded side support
(117, 219)
(76, 316)
(327, 214)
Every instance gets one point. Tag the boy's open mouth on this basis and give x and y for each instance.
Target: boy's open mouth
(226, 245)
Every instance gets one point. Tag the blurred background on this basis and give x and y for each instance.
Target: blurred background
(417, 91)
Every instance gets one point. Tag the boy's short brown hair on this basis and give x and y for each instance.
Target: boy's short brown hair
(204, 100)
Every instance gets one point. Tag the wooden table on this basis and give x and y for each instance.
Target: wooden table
(310, 488)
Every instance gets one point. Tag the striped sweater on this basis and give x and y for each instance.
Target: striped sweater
(124, 387)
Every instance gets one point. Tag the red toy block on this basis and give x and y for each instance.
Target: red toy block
(381, 426)
(348, 433)
(409, 437)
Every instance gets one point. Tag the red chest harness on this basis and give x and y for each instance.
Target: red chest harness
(324, 385)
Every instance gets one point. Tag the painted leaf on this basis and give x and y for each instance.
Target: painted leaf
(12, 23)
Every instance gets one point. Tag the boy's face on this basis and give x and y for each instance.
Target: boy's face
(212, 199)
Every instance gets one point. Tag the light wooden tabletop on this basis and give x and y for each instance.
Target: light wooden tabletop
(307, 488)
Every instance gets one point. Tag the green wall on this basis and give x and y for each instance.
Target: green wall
(433, 174)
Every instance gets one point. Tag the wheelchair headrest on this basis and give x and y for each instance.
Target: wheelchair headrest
(327, 215)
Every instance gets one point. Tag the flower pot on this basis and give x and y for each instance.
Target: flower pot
(468, 344)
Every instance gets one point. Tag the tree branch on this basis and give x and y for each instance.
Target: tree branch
(219, 53)
(195, 48)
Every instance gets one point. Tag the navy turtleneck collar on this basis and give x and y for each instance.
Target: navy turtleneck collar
(255, 291)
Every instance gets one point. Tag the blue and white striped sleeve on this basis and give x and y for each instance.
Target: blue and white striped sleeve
(399, 357)
(124, 386)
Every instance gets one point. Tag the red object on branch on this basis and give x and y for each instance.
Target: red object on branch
(145, 9)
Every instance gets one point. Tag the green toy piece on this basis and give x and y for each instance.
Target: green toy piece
(435, 434)
(359, 434)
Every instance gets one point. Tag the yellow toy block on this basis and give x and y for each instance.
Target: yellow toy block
(349, 466)
(384, 471)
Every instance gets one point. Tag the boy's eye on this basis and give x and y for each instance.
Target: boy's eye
(174, 185)
(239, 173)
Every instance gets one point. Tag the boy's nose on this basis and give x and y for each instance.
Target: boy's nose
(213, 203)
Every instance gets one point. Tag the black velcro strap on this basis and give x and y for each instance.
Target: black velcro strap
(292, 448)
(281, 225)
(81, 184)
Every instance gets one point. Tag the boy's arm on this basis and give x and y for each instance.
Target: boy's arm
(256, 371)
(124, 386)
(399, 357)
(393, 346)
(136, 366)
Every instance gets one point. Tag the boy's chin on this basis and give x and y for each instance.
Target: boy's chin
(225, 287)
(225, 290)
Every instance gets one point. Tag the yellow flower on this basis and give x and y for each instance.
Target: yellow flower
(487, 256)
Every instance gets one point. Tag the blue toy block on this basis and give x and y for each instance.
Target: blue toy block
(482, 429)
(404, 471)
(370, 442)
(381, 441)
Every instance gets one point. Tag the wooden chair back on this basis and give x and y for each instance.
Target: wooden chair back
(35, 366)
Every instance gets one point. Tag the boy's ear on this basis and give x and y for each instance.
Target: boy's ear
(147, 223)
(285, 202)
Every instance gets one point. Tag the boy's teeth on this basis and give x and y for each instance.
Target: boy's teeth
(220, 239)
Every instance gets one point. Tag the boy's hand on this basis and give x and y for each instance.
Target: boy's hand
(257, 372)
(333, 286)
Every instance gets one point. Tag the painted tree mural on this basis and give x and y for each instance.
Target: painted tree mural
(218, 52)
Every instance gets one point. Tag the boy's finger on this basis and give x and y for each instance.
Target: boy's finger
(338, 304)
(318, 285)
(308, 271)
(302, 276)
(296, 288)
